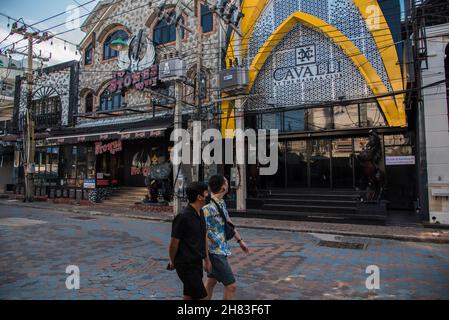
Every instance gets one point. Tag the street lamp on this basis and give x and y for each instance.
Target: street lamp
(119, 45)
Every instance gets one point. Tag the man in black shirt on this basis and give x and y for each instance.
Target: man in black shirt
(188, 243)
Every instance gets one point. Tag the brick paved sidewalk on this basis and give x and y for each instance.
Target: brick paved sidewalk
(413, 234)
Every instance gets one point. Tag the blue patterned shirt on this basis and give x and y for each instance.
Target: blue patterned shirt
(215, 228)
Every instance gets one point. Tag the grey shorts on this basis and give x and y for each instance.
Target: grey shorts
(221, 270)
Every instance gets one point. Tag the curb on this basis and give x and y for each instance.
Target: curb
(402, 238)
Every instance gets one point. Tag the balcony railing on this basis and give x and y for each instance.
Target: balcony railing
(49, 120)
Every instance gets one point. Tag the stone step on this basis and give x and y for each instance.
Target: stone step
(308, 208)
(311, 202)
(314, 196)
(312, 216)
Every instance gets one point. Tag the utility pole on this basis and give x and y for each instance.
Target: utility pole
(177, 168)
(29, 143)
(240, 125)
(197, 176)
(422, 180)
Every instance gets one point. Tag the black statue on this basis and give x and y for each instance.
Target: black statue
(374, 177)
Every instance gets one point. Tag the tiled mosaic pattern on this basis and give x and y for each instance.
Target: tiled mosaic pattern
(342, 14)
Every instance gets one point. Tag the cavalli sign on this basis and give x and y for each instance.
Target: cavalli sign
(307, 69)
(113, 147)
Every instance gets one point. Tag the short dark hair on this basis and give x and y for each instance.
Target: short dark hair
(194, 190)
(216, 183)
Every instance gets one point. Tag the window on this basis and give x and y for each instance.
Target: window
(207, 19)
(294, 121)
(89, 103)
(346, 117)
(271, 121)
(46, 160)
(164, 32)
(110, 102)
(109, 53)
(47, 112)
(88, 55)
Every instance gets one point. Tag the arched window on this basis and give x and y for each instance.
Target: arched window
(47, 107)
(89, 103)
(109, 101)
(446, 68)
(88, 55)
(165, 31)
(207, 19)
(109, 53)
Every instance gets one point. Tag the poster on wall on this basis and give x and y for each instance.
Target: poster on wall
(400, 160)
(89, 184)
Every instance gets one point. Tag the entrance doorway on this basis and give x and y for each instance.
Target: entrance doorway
(343, 160)
(317, 164)
(109, 169)
(296, 157)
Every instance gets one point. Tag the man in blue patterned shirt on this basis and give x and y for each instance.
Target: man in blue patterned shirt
(219, 248)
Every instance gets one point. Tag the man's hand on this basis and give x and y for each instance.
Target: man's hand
(244, 247)
(171, 266)
(207, 265)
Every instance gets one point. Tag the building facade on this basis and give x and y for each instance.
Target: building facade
(116, 111)
(9, 69)
(325, 74)
(435, 78)
(54, 99)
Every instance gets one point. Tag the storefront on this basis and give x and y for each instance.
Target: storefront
(317, 74)
(122, 157)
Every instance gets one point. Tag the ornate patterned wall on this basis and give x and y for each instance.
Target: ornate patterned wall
(59, 81)
(96, 76)
(342, 14)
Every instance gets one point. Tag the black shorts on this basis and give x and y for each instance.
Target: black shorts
(191, 276)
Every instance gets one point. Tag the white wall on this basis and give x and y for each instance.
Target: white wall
(436, 117)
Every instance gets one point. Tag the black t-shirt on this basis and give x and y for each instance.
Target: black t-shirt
(190, 229)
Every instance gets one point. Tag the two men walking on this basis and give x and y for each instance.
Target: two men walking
(199, 236)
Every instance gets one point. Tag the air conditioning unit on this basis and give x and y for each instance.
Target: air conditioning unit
(234, 80)
(172, 69)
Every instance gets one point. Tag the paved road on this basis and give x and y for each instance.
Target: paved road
(123, 258)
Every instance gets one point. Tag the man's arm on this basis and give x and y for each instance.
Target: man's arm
(173, 250)
(207, 262)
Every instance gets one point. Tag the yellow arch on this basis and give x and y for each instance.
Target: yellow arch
(393, 116)
(378, 26)
(252, 10)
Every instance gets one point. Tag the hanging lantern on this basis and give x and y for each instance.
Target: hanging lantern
(119, 45)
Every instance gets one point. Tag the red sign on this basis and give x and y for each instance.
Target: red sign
(139, 79)
(135, 171)
(112, 147)
(102, 183)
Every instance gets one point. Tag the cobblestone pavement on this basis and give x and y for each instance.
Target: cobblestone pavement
(122, 258)
(408, 232)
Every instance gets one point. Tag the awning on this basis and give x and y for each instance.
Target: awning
(119, 134)
(10, 138)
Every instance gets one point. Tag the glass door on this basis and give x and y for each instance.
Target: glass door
(277, 180)
(342, 164)
(297, 164)
(320, 161)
